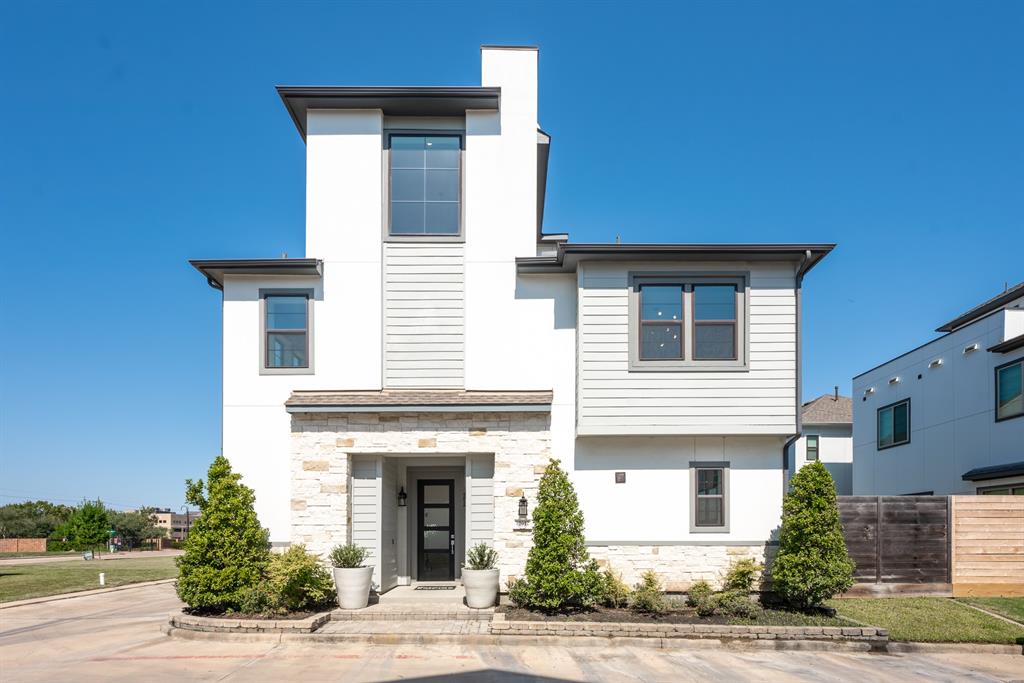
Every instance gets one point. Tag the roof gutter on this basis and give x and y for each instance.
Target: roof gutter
(801, 270)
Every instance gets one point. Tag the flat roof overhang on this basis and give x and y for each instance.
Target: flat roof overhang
(419, 401)
(393, 101)
(568, 256)
(1010, 469)
(215, 269)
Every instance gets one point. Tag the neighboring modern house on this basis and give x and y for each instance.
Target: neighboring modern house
(827, 436)
(176, 524)
(948, 416)
(405, 385)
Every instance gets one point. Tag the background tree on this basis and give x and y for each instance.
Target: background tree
(32, 519)
(559, 571)
(227, 550)
(135, 527)
(87, 526)
(812, 564)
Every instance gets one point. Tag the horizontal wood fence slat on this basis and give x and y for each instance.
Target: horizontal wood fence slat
(988, 545)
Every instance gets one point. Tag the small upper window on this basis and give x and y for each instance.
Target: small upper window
(714, 322)
(1009, 390)
(894, 424)
(812, 447)
(425, 184)
(286, 326)
(661, 322)
(709, 509)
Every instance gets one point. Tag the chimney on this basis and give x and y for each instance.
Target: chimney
(835, 396)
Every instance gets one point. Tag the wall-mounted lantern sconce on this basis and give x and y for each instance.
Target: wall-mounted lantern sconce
(522, 509)
(402, 497)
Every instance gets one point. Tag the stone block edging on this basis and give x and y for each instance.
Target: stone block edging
(189, 622)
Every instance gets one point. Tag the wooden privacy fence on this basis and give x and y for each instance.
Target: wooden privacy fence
(970, 545)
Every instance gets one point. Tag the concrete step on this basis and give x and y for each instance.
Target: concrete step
(413, 612)
(404, 628)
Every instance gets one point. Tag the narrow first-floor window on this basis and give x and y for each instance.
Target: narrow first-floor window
(286, 331)
(894, 424)
(812, 447)
(1010, 390)
(710, 503)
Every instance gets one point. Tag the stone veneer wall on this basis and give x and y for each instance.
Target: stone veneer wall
(678, 566)
(322, 443)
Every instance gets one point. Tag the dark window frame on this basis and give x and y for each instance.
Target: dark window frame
(878, 417)
(264, 365)
(995, 386)
(426, 236)
(987, 490)
(694, 323)
(643, 322)
(817, 448)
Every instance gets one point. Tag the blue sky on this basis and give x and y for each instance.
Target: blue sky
(138, 135)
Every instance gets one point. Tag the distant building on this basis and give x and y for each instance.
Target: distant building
(948, 416)
(827, 435)
(176, 524)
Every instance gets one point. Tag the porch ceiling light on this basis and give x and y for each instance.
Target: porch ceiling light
(402, 497)
(522, 509)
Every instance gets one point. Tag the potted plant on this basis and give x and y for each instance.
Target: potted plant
(351, 579)
(480, 576)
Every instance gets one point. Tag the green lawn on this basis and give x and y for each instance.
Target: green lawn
(55, 553)
(929, 620)
(35, 580)
(1012, 608)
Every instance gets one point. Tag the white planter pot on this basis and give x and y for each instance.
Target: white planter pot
(481, 587)
(353, 586)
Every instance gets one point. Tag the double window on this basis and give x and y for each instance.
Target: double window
(285, 339)
(425, 185)
(680, 322)
(1011, 490)
(894, 424)
(812, 448)
(709, 482)
(1009, 390)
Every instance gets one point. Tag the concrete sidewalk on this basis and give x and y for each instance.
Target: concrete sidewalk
(116, 637)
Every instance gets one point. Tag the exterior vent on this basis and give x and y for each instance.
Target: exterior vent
(937, 363)
(970, 348)
(869, 391)
(894, 380)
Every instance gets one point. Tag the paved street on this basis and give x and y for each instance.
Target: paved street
(116, 637)
(77, 557)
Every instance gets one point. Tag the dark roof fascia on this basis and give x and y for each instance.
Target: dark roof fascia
(569, 255)
(992, 304)
(215, 269)
(1011, 344)
(392, 100)
(1011, 469)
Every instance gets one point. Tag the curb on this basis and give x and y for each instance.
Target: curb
(82, 594)
(963, 648)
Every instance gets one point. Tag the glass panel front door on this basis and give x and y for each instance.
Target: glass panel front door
(436, 530)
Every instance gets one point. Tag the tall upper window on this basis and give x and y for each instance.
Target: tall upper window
(687, 322)
(1009, 390)
(425, 188)
(894, 424)
(286, 331)
(812, 447)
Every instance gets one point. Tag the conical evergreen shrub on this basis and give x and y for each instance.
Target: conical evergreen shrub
(227, 550)
(812, 564)
(559, 571)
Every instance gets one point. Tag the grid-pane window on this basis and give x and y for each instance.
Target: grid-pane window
(425, 184)
(710, 498)
(894, 424)
(661, 322)
(714, 322)
(287, 330)
(812, 448)
(1009, 393)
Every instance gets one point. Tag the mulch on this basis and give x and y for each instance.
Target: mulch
(612, 615)
(287, 616)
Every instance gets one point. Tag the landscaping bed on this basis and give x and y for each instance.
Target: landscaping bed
(678, 615)
(236, 624)
(929, 620)
(23, 581)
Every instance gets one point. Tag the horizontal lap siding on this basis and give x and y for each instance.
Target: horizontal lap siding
(613, 400)
(366, 506)
(424, 315)
(481, 500)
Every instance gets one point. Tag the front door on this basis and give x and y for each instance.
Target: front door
(436, 530)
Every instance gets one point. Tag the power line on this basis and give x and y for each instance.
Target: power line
(35, 496)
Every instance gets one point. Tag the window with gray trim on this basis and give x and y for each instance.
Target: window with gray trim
(894, 424)
(680, 321)
(1010, 390)
(425, 185)
(812, 447)
(285, 323)
(709, 482)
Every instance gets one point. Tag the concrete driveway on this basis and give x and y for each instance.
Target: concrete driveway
(116, 637)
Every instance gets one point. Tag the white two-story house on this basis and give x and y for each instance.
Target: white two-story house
(947, 417)
(405, 384)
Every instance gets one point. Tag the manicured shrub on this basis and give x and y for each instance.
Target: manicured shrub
(648, 596)
(519, 592)
(741, 575)
(615, 592)
(258, 600)
(348, 556)
(812, 564)
(559, 571)
(481, 556)
(734, 603)
(227, 551)
(298, 582)
(699, 591)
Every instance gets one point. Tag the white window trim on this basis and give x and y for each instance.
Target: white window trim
(703, 465)
(263, 294)
(687, 280)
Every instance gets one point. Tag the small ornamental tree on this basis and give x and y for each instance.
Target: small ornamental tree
(559, 571)
(812, 564)
(88, 525)
(227, 551)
